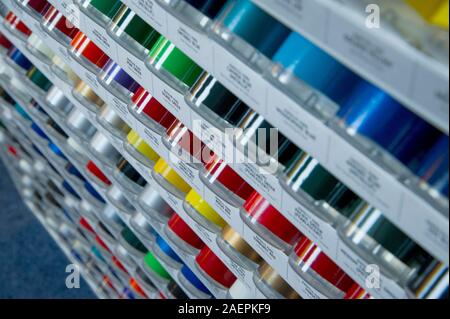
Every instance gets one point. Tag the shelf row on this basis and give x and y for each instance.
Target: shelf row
(373, 176)
(145, 133)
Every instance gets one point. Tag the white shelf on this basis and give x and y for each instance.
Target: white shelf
(418, 218)
(340, 253)
(326, 237)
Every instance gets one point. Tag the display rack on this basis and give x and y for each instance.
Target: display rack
(55, 163)
(92, 281)
(424, 221)
(345, 257)
(144, 171)
(61, 170)
(278, 262)
(80, 167)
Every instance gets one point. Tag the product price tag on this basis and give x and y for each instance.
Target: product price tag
(227, 211)
(240, 79)
(62, 5)
(206, 235)
(363, 47)
(171, 99)
(306, 15)
(152, 12)
(154, 140)
(274, 256)
(306, 290)
(121, 109)
(245, 275)
(213, 137)
(320, 232)
(193, 43)
(363, 175)
(135, 68)
(188, 173)
(297, 124)
(149, 136)
(174, 202)
(71, 12)
(368, 275)
(266, 184)
(90, 79)
(430, 90)
(426, 226)
(99, 36)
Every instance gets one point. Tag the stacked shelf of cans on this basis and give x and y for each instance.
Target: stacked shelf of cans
(356, 161)
(74, 208)
(116, 196)
(260, 227)
(111, 232)
(357, 156)
(236, 239)
(87, 208)
(65, 235)
(45, 193)
(92, 206)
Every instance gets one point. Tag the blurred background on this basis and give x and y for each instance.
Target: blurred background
(31, 264)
